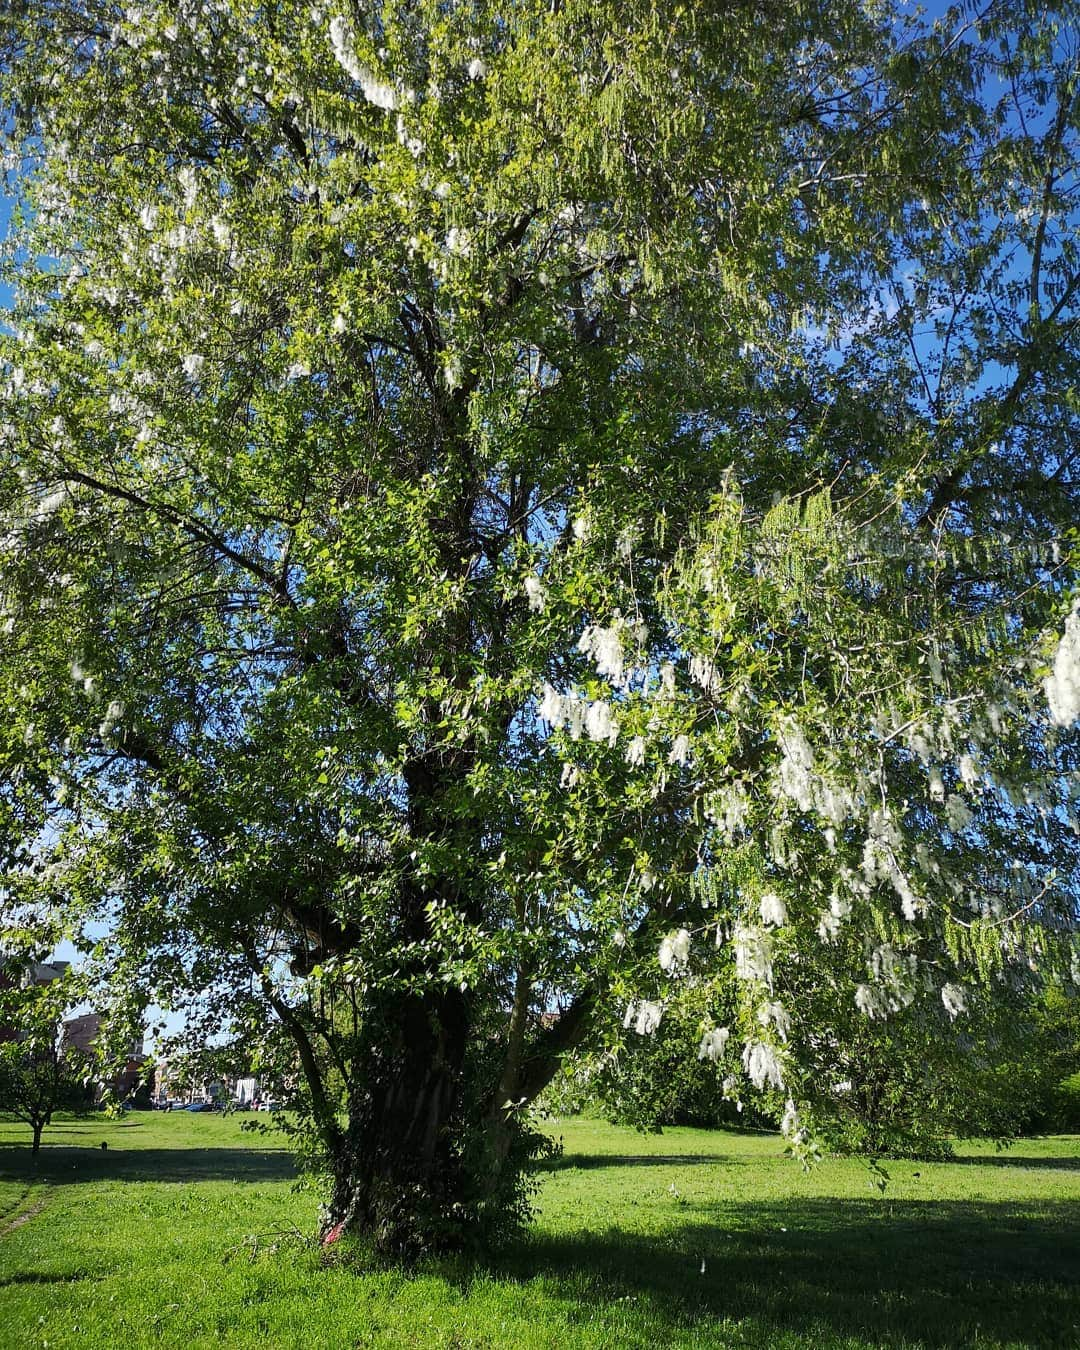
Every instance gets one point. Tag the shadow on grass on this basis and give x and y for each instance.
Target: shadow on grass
(592, 1161)
(33, 1277)
(935, 1274)
(62, 1163)
(1019, 1160)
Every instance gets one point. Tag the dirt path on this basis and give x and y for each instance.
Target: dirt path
(25, 1217)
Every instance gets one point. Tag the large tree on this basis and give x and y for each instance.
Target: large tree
(509, 504)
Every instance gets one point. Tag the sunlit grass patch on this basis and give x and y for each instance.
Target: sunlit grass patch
(181, 1233)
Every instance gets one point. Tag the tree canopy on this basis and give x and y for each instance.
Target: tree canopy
(40, 1071)
(507, 507)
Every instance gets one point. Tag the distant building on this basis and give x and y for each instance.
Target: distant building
(44, 972)
(178, 1084)
(13, 974)
(81, 1034)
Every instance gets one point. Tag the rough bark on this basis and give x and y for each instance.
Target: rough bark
(399, 1174)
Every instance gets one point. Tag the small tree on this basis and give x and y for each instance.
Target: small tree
(39, 1076)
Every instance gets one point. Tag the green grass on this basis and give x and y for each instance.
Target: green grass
(182, 1234)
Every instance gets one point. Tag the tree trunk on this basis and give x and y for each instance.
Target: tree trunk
(401, 1170)
(37, 1126)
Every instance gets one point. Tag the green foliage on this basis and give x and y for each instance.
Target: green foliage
(1066, 1105)
(1049, 1072)
(37, 1079)
(658, 1080)
(490, 497)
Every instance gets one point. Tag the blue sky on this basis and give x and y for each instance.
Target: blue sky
(5, 216)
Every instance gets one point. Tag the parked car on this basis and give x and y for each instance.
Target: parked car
(201, 1106)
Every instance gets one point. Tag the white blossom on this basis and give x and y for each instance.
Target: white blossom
(937, 785)
(536, 594)
(789, 1122)
(871, 1002)
(796, 767)
(635, 752)
(413, 144)
(113, 713)
(713, 1044)
(954, 999)
(343, 41)
(605, 647)
(896, 971)
(453, 371)
(553, 707)
(1063, 685)
(644, 1016)
(917, 741)
(222, 232)
(680, 750)
(729, 808)
(148, 217)
(773, 910)
(675, 951)
(50, 504)
(580, 528)
(704, 673)
(299, 370)
(477, 70)
(910, 904)
(883, 838)
(189, 185)
(569, 776)
(193, 365)
(667, 679)
(626, 541)
(575, 717)
(762, 1065)
(777, 1015)
(957, 813)
(178, 238)
(835, 803)
(458, 241)
(600, 725)
(753, 954)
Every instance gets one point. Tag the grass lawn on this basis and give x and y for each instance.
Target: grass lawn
(181, 1234)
